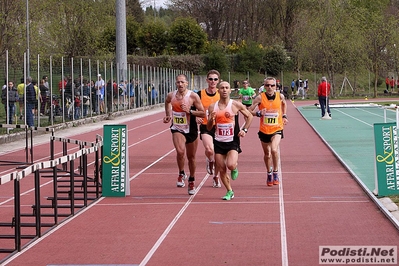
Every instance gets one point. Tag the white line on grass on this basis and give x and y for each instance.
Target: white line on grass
(354, 118)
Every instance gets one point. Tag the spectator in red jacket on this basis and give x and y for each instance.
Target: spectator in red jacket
(62, 84)
(387, 84)
(392, 83)
(323, 91)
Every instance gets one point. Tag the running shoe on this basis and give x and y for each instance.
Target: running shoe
(229, 195)
(180, 180)
(191, 188)
(209, 166)
(269, 180)
(275, 178)
(234, 174)
(216, 182)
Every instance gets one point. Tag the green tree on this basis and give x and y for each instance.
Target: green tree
(132, 31)
(250, 58)
(153, 37)
(215, 58)
(274, 61)
(187, 37)
(12, 29)
(333, 41)
(378, 25)
(71, 28)
(134, 11)
(108, 45)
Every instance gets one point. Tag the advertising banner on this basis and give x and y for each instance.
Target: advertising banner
(386, 159)
(115, 164)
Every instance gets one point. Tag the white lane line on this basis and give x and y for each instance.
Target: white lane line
(375, 114)
(144, 169)
(361, 121)
(283, 230)
(367, 111)
(24, 193)
(72, 218)
(40, 239)
(170, 226)
(248, 222)
(41, 142)
(134, 144)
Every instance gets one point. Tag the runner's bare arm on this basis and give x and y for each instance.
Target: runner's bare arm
(168, 108)
(200, 112)
(284, 109)
(211, 117)
(247, 114)
(255, 103)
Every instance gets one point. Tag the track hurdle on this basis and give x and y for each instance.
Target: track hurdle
(28, 143)
(30, 226)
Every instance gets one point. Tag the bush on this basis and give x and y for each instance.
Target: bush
(186, 36)
(193, 63)
(274, 60)
(216, 58)
(250, 58)
(164, 61)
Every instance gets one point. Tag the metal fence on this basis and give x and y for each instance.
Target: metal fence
(72, 94)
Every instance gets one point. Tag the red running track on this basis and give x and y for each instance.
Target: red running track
(317, 204)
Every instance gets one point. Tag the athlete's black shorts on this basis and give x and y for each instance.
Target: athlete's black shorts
(224, 147)
(204, 130)
(267, 138)
(190, 137)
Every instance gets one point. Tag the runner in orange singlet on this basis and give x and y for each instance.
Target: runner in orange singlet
(209, 96)
(272, 111)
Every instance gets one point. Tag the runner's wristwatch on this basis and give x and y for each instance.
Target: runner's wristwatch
(245, 130)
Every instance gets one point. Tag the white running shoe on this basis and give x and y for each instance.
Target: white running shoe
(180, 180)
(191, 188)
(216, 182)
(209, 166)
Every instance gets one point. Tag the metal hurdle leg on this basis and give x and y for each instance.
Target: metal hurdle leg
(17, 213)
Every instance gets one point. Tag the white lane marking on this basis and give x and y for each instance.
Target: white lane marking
(361, 121)
(136, 143)
(170, 226)
(40, 239)
(41, 142)
(144, 169)
(283, 229)
(71, 219)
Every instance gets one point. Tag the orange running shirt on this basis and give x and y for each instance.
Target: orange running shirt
(272, 121)
(207, 100)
